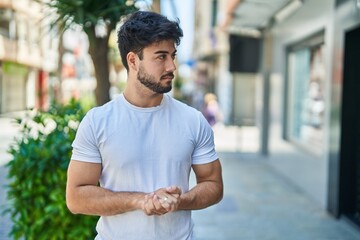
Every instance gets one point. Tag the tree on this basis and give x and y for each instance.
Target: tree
(98, 18)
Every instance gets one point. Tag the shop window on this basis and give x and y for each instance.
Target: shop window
(306, 94)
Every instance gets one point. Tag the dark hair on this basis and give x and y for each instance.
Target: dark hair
(143, 28)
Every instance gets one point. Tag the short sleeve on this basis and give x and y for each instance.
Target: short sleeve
(85, 147)
(204, 151)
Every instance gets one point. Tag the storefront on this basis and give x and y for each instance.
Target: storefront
(13, 90)
(300, 97)
(315, 104)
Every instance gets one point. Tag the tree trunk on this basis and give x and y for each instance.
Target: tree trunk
(58, 93)
(98, 50)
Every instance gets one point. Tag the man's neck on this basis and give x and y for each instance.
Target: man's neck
(142, 99)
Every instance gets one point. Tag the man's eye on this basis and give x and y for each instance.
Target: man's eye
(173, 56)
(162, 57)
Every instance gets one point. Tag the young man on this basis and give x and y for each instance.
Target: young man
(142, 145)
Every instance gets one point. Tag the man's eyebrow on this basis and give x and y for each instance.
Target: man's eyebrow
(164, 52)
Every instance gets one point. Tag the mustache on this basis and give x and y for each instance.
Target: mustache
(168, 75)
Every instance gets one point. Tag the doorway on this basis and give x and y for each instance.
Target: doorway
(350, 129)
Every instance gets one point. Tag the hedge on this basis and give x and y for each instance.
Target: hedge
(37, 176)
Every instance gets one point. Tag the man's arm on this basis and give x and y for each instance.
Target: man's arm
(208, 190)
(84, 196)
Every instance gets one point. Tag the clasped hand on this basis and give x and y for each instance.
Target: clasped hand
(162, 201)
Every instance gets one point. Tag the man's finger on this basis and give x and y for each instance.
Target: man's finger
(173, 190)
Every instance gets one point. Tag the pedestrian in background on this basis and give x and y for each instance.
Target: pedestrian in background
(142, 146)
(211, 109)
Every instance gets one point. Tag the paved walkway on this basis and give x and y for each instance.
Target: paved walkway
(8, 131)
(259, 204)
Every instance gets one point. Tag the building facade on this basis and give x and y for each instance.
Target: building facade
(306, 101)
(314, 82)
(28, 55)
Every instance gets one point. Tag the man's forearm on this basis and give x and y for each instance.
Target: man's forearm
(201, 196)
(94, 200)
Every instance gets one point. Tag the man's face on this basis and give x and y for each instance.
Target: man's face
(156, 69)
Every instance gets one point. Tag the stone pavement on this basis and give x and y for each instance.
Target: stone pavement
(258, 204)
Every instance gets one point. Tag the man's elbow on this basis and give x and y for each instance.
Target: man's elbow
(220, 194)
(72, 206)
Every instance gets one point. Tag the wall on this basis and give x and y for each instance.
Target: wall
(244, 100)
(27, 46)
(306, 169)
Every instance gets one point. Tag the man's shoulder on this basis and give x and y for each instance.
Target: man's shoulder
(109, 106)
(181, 110)
(103, 111)
(180, 104)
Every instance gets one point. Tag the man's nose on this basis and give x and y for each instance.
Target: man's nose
(171, 66)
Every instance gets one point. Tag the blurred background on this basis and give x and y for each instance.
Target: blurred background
(281, 78)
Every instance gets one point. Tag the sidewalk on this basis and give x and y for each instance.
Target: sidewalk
(8, 131)
(258, 204)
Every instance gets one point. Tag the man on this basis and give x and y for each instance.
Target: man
(142, 145)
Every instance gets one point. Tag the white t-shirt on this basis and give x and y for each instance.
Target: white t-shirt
(141, 150)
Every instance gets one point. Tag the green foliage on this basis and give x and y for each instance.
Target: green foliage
(91, 15)
(88, 13)
(37, 177)
(87, 101)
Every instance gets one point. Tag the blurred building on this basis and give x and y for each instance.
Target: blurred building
(28, 56)
(291, 69)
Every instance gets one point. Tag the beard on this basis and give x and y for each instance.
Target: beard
(149, 81)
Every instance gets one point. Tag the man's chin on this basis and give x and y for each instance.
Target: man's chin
(164, 90)
(165, 87)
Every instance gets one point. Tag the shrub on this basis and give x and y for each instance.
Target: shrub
(37, 176)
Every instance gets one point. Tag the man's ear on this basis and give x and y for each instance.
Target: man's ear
(132, 60)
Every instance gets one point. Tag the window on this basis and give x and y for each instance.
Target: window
(5, 16)
(214, 13)
(306, 94)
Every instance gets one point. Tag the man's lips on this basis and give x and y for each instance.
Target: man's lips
(168, 76)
